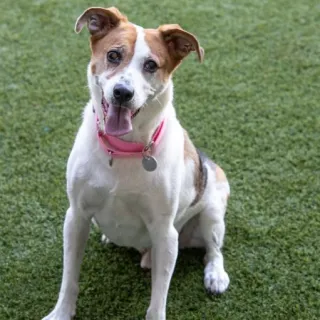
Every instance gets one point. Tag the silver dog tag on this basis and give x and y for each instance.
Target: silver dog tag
(149, 163)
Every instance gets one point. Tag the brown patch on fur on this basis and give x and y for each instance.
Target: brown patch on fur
(180, 42)
(221, 178)
(99, 20)
(169, 44)
(220, 175)
(93, 68)
(122, 38)
(109, 28)
(190, 152)
(167, 64)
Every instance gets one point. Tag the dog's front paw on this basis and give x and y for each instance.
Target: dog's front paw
(59, 315)
(216, 280)
(154, 315)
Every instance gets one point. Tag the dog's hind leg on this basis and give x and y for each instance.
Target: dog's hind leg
(212, 227)
(207, 230)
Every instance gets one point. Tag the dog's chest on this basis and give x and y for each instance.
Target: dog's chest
(121, 222)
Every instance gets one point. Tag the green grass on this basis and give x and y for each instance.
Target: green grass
(253, 106)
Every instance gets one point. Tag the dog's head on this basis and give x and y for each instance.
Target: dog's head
(131, 64)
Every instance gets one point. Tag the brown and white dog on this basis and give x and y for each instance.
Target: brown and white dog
(133, 169)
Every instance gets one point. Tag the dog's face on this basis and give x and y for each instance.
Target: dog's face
(131, 64)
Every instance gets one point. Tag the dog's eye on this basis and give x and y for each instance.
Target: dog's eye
(150, 66)
(114, 56)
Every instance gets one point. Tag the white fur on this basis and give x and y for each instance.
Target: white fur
(135, 208)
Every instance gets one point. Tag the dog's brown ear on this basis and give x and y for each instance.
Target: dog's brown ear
(180, 42)
(100, 20)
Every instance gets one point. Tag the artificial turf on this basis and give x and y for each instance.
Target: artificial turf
(253, 106)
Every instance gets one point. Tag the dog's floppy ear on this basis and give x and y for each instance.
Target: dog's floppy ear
(100, 20)
(180, 42)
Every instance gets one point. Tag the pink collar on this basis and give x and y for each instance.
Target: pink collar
(116, 147)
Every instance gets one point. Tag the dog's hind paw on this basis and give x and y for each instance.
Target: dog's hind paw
(216, 280)
(145, 262)
(105, 240)
(56, 315)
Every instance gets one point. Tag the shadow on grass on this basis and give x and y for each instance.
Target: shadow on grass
(113, 286)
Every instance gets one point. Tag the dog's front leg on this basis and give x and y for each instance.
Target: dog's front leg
(75, 234)
(164, 253)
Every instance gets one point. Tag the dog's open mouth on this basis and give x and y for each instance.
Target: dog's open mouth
(118, 120)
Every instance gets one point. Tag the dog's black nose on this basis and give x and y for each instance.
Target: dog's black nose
(122, 92)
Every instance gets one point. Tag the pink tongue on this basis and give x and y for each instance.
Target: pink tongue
(118, 121)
